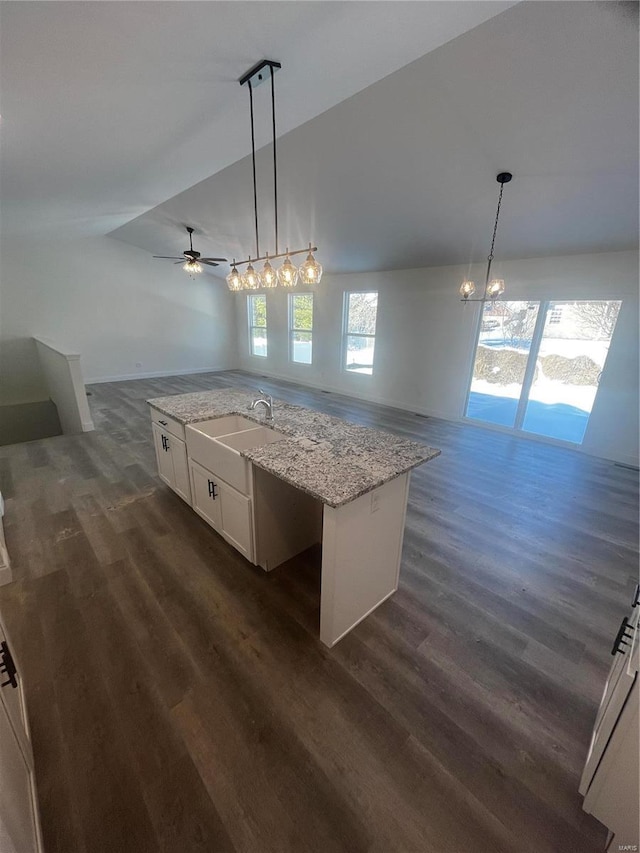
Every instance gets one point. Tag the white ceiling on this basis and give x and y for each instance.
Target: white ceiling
(110, 108)
(115, 107)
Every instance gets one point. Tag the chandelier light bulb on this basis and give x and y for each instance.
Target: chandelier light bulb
(467, 289)
(234, 279)
(288, 274)
(269, 277)
(495, 288)
(251, 279)
(310, 271)
(192, 267)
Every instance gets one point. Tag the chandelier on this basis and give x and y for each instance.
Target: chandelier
(287, 274)
(493, 287)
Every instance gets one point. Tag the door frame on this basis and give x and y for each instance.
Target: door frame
(544, 306)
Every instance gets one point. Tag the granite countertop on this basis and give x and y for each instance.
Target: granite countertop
(333, 460)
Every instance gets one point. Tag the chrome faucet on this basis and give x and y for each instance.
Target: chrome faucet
(267, 401)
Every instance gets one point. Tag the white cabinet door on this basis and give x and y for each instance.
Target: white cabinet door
(236, 523)
(622, 677)
(17, 813)
(171, 455)
(223, 507)
(205, 495)
(178, 453)
(163, 455)
(19, 823)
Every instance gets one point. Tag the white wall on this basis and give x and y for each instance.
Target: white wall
(425, 338)
(114, 304)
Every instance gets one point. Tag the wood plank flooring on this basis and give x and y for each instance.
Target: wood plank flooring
(180, 699)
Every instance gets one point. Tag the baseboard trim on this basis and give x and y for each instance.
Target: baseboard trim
(381, 401)
(431, 413)
(157, 374)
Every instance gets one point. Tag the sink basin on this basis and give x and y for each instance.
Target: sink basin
(216, 446)
(224, 426)
(250, 438)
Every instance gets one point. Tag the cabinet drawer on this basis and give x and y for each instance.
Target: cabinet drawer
(166, 423)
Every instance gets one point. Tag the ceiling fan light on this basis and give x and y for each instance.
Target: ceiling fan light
(192, 267)
(467, 289)
(251, 279)
(495, 288)
(287, 274)
(269, 275)
(310, 271)
(234, 279)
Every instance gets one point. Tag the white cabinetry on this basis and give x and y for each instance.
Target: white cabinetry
(610, 782)
(171, 455)
(19, 823)
(227, 510)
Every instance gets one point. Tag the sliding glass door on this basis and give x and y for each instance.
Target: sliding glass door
(538, 365)
(502, 355)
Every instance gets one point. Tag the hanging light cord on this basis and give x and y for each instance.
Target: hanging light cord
(275, 159)
(495, 230)
(253, 156)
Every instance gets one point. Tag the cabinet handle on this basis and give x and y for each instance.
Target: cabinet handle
(163, 441)
(7, 666)
(166, 442)
(212, 490)
(636, 596)
(164, 423)
(621, 637)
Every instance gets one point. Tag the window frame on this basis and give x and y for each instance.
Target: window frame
(292, 330)
(252, 328)
(346, 334)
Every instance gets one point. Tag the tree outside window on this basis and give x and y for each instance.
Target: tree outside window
(257, 312)
(301, 327)
(360, 316)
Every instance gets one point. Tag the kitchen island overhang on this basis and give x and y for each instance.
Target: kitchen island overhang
(356, 476)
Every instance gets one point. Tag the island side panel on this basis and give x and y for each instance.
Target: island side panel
(361, 553)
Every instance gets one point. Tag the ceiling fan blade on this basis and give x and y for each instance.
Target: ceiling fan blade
(218, 260)
(175, 263)
(169, 257)
(208, 263)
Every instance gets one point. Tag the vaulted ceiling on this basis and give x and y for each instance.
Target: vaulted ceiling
(394, 118)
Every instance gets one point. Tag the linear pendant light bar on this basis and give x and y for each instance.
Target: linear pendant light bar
(286, 254)
(287, 275)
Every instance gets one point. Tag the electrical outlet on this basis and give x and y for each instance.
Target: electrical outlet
(375, 501)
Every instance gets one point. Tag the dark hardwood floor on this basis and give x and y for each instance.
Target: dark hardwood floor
(180, 699)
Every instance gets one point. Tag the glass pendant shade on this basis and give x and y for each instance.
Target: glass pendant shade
(269, 276)
(192, 267)
(495, 288)
(251, 279)
(234, 279)
(467, 289)
(310, 271)
(288, 274)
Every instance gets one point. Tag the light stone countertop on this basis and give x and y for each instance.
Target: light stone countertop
(332, 460)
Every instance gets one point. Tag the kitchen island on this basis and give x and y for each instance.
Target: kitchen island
(273, 490)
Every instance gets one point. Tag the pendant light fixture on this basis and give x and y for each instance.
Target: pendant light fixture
(493, 287)
(234, 279)
(287, 275)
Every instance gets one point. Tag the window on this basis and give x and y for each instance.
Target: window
(257, 311)
(360, 312)
(300, 327)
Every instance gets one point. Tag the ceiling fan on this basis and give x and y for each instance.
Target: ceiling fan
(191, 259)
